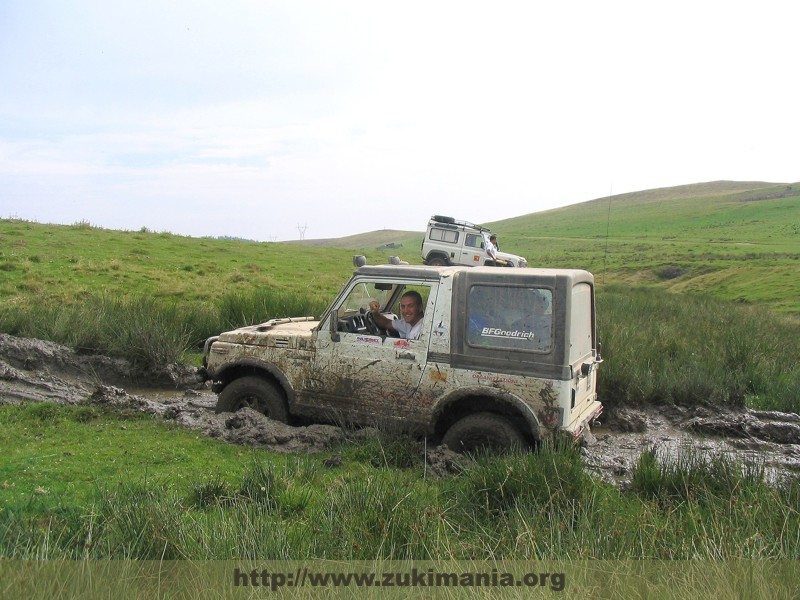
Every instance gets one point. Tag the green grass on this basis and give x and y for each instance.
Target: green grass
(67, 263)
(695, 350)
(86, 484)
(697, 303)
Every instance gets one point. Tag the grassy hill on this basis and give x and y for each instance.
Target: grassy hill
(407, 242)
(733, 240)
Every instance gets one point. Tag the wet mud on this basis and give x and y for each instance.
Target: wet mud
(41, 371)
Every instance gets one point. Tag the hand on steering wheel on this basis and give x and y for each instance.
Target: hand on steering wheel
(369, 321)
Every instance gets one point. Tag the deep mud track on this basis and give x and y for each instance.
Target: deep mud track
(40, 371)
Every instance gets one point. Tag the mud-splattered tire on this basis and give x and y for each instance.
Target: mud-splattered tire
(437, 261)
(484, 431)
(257, 393)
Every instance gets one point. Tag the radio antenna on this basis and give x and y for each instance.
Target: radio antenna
(608, 224)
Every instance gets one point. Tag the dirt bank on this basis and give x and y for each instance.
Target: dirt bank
(41, 371)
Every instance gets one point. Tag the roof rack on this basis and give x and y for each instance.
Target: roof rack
(451, 223)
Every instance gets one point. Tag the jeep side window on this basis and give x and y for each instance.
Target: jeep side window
(424, 291)
(581, 339)
(359, 297)
(350, 312)
(473, 240)
(510, 318)
(444, 235)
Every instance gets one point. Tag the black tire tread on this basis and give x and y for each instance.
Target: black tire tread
(257, 393)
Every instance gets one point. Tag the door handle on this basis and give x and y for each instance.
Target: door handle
(405, 354)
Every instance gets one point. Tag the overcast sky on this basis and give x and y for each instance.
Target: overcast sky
(257, 119)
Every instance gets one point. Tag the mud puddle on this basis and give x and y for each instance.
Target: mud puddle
(40, 371)
(768, 443)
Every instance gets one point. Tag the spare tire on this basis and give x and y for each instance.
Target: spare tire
(441, 219)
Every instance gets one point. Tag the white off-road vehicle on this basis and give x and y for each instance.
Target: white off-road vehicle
(506, 357)
(451, 242)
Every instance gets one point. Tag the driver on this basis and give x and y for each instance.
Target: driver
(410, 326)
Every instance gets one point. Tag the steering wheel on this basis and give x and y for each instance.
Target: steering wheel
(369, 321)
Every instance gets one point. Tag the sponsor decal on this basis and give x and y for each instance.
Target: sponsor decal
(494, 378)
(498, 332)
(438, 375)
(402, 344)
(368, 340)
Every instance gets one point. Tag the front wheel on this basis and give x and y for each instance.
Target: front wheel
(484, 431)
(256, 393)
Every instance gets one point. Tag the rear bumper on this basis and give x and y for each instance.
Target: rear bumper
(579, 425)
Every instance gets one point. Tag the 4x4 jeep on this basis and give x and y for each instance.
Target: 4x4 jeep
(505, 357)
(451, 242)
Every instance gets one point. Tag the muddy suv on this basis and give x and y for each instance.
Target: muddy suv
(505, 357)
(451, 242)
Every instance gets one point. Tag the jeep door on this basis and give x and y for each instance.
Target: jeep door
(473, 253)
(359, 376)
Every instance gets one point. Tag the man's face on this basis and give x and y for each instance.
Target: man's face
(409, 309)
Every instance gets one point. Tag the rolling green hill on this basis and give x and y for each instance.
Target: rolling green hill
(733, 240)
(407, 242)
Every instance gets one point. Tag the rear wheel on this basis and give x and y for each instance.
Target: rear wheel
(256, 393)
(437, 261)
(484, 431)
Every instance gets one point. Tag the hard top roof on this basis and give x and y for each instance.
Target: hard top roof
(506, 274)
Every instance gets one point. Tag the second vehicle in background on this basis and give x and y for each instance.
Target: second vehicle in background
(451, 242)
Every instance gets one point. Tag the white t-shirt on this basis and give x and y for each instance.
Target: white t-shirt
(406, 331)
(491, 251)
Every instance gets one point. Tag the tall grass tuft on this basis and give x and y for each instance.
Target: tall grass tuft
(552, 476)
(139, 521)
(149, 332)
(688, 350)
(146, 331)
(236, 309)
(696, 475)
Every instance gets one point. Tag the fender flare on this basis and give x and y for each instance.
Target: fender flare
(253, 366)
(499, 399)
(438, 254)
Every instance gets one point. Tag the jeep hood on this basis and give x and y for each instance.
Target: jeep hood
(290, 332)
(517, 259)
